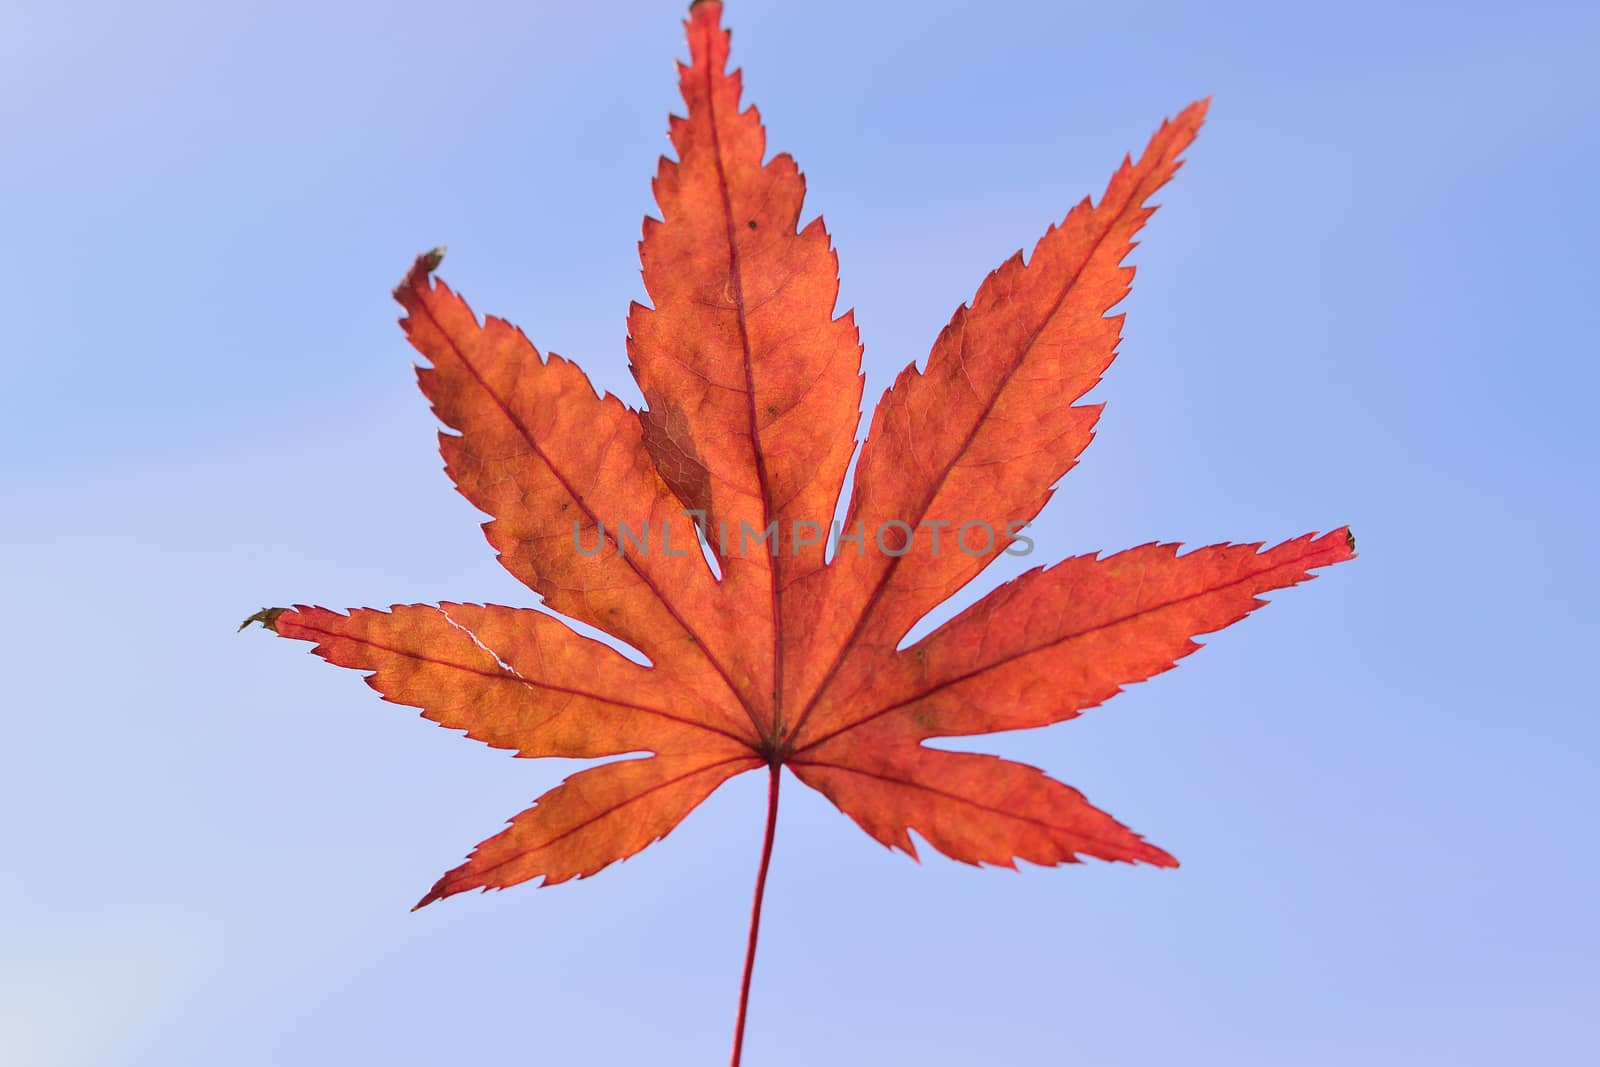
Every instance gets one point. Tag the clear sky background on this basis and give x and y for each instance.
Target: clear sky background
(1369, 298)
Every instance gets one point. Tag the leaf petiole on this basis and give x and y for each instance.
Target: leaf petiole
(755, 911)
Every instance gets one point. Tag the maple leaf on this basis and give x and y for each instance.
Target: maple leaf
(780, 654)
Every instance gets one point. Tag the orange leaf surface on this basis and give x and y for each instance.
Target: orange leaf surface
(775, 652)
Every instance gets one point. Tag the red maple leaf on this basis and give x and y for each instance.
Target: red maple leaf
(783, 655)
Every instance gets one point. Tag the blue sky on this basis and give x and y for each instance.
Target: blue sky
(1367, 299)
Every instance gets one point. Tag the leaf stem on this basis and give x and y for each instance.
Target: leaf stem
(755, 912)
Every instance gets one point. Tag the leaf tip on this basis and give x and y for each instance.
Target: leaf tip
(424, 265)
(267, 617)
(1157, 857)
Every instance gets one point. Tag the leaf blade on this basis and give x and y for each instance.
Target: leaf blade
(982, 435)
(1055, 641)
(560, 469)
(974, 808)
(592, 820)
(516, 679)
